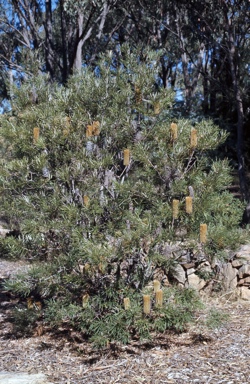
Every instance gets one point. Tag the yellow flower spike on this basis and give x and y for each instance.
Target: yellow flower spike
(87, 267)
(146, 304)
(36, 133)
(157, 108)
(29, 303)
(85, 300)
(203, 233)
(126, 157)
(193, 138)
(86, 200)
(67, 126)
(157, 285)
(174, 131)
(189, 205)
(96, 128)
(138, 95)
(89, 131)
(126, 302)
(175, 208)
(159, 298)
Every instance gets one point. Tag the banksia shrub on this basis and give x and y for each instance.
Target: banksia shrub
(94, 225)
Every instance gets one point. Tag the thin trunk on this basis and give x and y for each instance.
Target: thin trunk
(64, 45)
(49, 39)
(78, 52)
(232, 58)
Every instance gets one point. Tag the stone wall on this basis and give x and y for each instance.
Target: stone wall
(195, 271)
(232, 275)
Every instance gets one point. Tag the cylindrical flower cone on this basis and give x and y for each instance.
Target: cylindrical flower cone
(174, 131)
(101, 268)
(126, 157)
(189, 204)
(87, 267)
(38, 305)
(96, 128)
(29, 303)
(126, 302)
(138, 95)
(157, 285)
(203, 233)
(175, 208)
(157, 108)
(193, 138)
(146, 304)
(89, 131)
(36, 133)
(67, 126)
(159, 298)
(85, 300)
(86, 200)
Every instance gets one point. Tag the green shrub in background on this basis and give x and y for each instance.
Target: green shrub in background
(88, 177)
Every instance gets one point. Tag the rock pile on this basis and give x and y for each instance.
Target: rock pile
(195, 271)
(200, 274)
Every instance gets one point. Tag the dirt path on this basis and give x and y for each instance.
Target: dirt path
(197, 356)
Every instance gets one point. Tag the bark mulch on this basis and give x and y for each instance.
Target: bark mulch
(199, 355)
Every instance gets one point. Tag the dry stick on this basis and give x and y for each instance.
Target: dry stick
(188, 167)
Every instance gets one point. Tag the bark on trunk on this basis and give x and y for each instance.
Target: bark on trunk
(78, 53)
(49, 39)
(233, 59)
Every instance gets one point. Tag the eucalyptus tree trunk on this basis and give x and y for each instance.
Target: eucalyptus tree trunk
(238, 100)
(49, 39)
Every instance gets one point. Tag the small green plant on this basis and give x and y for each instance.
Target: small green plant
(24, 321)
(216, 318)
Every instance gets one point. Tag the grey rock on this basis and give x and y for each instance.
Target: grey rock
(190, 271)
(238, 262)
(243, 253)
(22, 378)
(244, 293)
(195, 282)
(245, 281)
(244, 271)
(4, 232)
(179, 274)
(228, 276)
